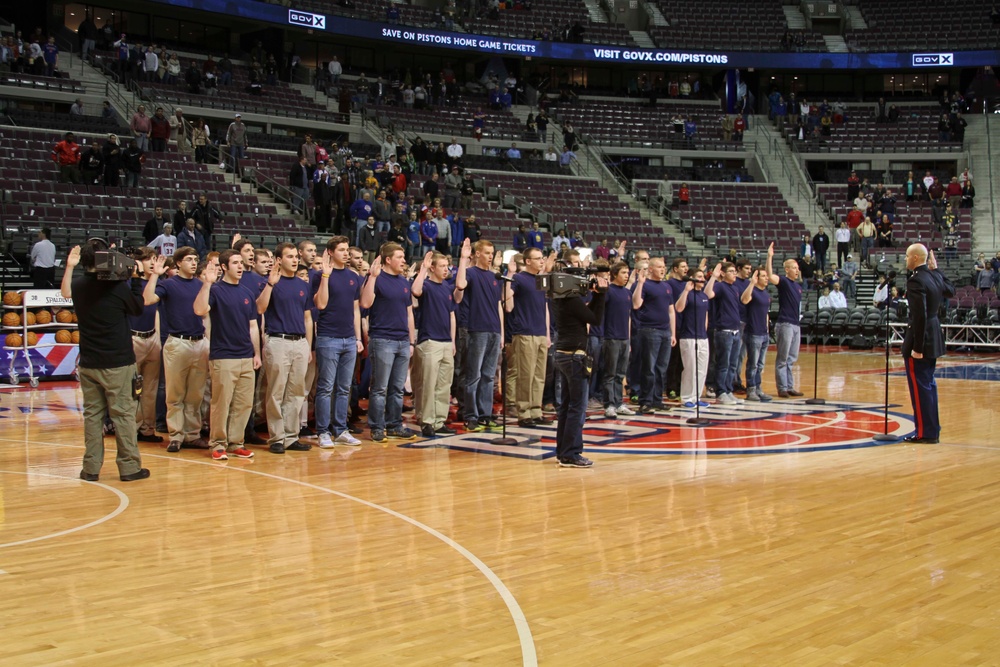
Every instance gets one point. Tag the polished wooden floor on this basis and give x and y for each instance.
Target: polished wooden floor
(421, 556)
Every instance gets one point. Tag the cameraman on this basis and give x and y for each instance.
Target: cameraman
(107, 362)
(571, 316)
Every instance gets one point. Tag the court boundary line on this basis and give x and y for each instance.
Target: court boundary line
(529, 656)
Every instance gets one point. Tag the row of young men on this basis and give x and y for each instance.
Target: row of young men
(661, 332)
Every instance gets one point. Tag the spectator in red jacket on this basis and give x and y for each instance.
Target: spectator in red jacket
(67, 155)
(684, 195)
(159, 131)
(954, 192)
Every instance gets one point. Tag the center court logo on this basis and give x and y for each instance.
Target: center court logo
(771, 429)
(933, 59)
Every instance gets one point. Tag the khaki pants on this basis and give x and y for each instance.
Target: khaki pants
(285, 367)
(310, 398)
(530, 354)
(433, 367)
(109, 389)
(232, 400)
(185, 370)
(147, 362)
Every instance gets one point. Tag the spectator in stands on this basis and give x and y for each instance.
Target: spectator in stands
(569, 137)
(66, 154)
(513, 153)
(180, 130)
(848, 276)
(727, 127)
(87, 32)
(367, 239)
(521, 240)
(936, 190)
(150, 64)
(159, 131)
(141, 126)
(443, 241)
(968, 194)
(132, 160)
(472, 231)
(984, 277)
(867, 233)
(821, 246)
(43, 260)
(949, 218)
(224, 71)
(559, 240)
(206, 216)
(153, 226)
(428, 233)
(51, 55)
(684, 195)
(452, 189)
(468, 190)
(236, 138)
(956, 127)
(92, 165)
(76, 109)
(690, 130)
(191, 237)
(199, 140)
(853, 186)
(271, 70)
(567, 158)
(298, 182)
(112, 157)
(166, 242)
(950, 243)
(806, 247)
(335, 69)
(954, 193)
(454, 153)
(885, 233)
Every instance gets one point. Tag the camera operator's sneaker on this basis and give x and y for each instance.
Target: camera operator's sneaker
(575, 462)
(624, 410)
(345, 438)
(325, 441)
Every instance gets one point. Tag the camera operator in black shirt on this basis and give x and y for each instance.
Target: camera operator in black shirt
(571, 316)
(107, 361)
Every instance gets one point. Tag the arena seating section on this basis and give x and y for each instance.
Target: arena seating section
(741, 217)
(913, 25)
(552, 16)
(736, 26)
(64, 122)
(167, 178)
(446, 120)
(912, 222)
(635, 125)
(61, 84)
(916, 131)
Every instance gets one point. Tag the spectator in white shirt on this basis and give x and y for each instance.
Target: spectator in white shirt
(837, 298)
(43, 260)
(335, 69)
(455, 152)
(165, 243)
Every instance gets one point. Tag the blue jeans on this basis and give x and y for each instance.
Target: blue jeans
(142, 141)
(389, 360)
(335, 359)
(727, 351)
(756, 353)
(788, 337)
(655, 361)
(573, 409)
(866, 247)
(594, 348)
(225, 78)
(481, 368)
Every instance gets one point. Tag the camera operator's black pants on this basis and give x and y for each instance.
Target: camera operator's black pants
(573, 408)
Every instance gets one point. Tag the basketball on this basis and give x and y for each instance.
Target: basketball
(64, 316)
(43, 317)
(63, 336)
(12, 299)
(11, 319)
(73, 315)
(32, 339)
(75, 337)
(31, 319)
(13, 340)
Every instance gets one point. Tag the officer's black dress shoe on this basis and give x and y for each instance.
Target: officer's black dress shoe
(921, 441)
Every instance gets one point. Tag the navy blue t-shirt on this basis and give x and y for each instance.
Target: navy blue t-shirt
(528, 316)
(657, 298)
(436, 306)
(233, 308)
(482, 296)
(789, 300)
(741, 285)
(727, 303)
(146, 321)
(178, 295)
(253, 282)
(290, 299)
(617, 311)
(337, 319)
(760, 303)
(692, 320)
(388, 315)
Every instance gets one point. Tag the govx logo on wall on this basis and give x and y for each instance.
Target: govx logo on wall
(933, 59)
(307, 19)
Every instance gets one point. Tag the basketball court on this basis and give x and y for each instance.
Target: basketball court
(781, 533)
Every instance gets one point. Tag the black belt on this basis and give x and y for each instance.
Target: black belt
(143, 334)
(580, 352)
(287, 336)
(182, 337)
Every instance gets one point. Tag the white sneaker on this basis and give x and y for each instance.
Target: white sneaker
(726, 399)
(346, 438)
(325, 441)
(738, 400)
(624, 410)
(610, 413)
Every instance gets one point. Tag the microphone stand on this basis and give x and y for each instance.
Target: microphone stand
(815, 329)
(503, 440)
(884, 436)
(697, 420)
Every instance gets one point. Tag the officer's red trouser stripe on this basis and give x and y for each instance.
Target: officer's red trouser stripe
(915, 391)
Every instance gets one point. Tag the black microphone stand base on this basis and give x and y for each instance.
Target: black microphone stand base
(815, 401)
(699, 421)
(885, 437)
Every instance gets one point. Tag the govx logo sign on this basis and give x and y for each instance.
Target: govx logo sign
(933, 59)
(307, 19)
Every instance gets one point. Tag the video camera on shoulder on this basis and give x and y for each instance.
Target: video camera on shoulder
(571, 281)
(113, 264)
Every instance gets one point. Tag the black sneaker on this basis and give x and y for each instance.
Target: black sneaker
(277, 448)
(427, 431)
(444, 430)
(400, 433)
(89, 476)
(378, 435)
(174, 446)
(526, 423)
(543, 421)
(306, 432)
(152, 437)
(142, 473)
(575, 462)
(298, 447)
(354, 430)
